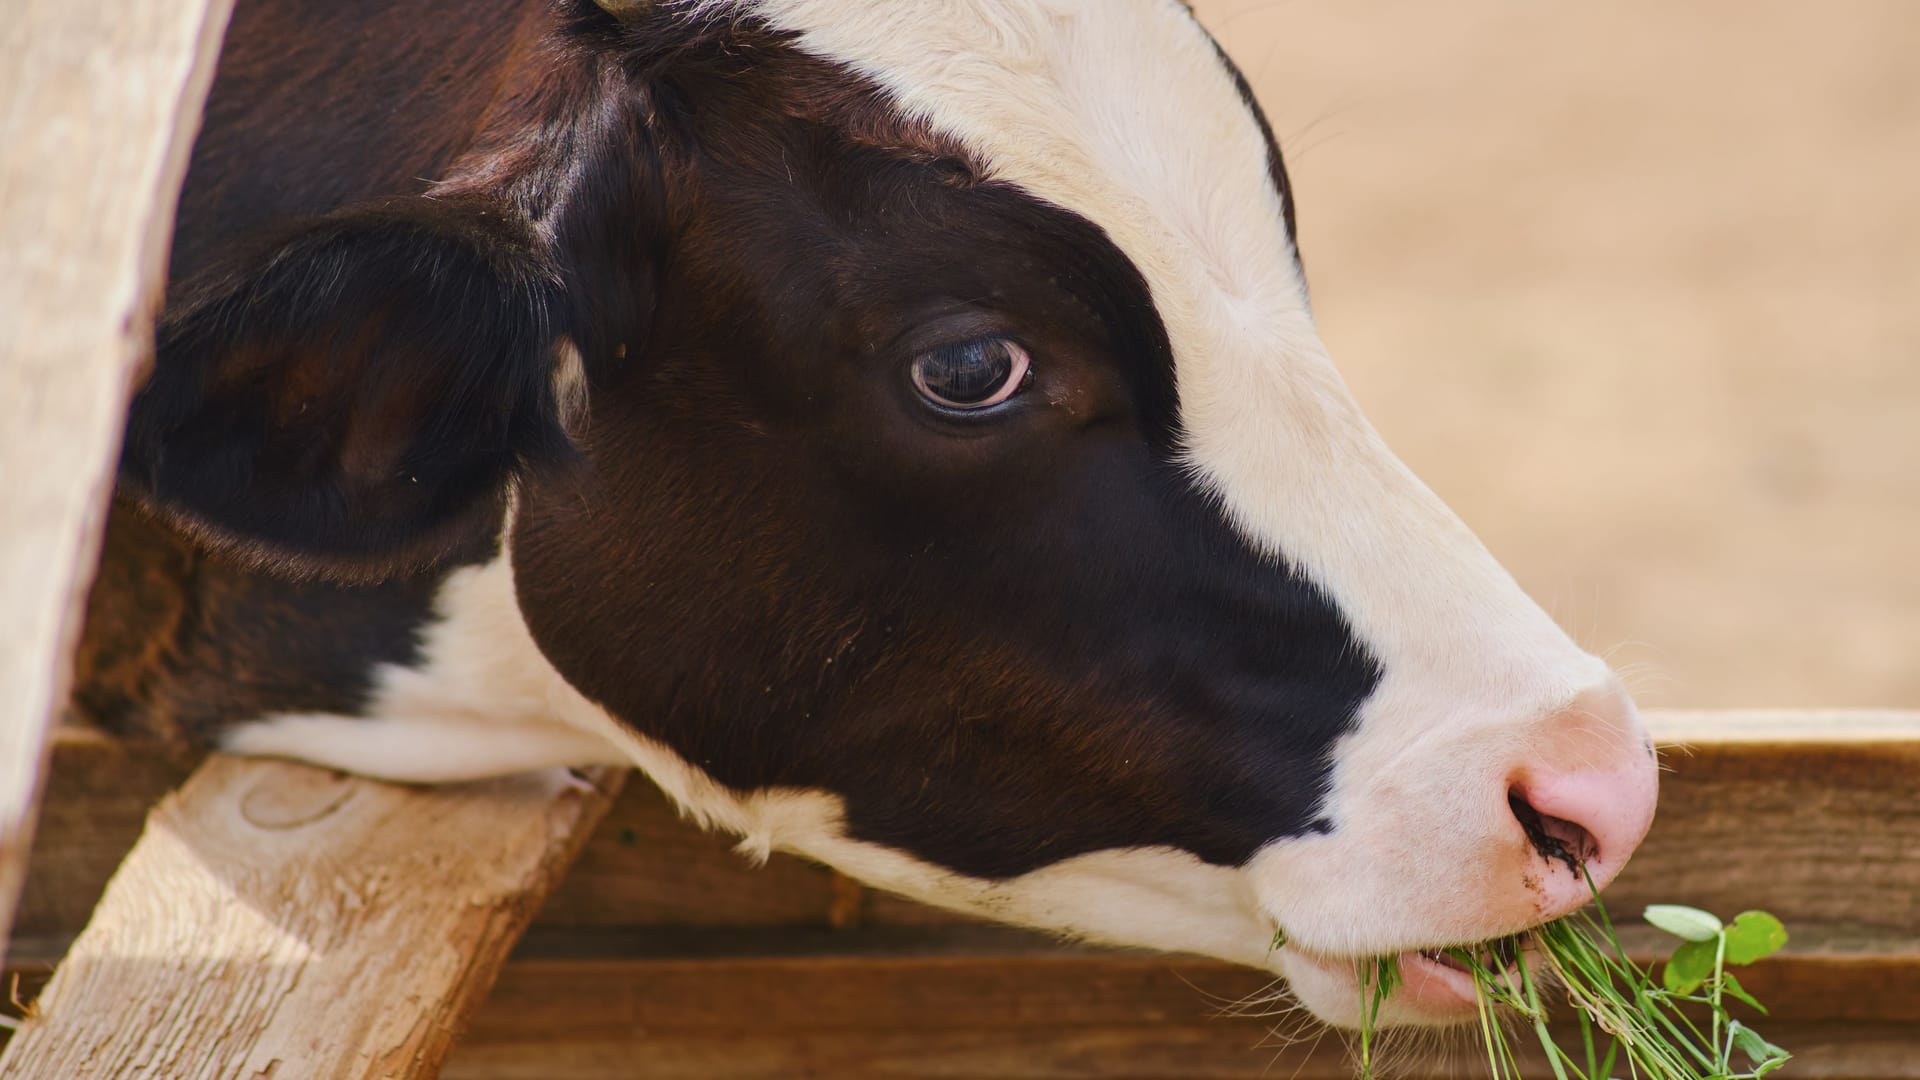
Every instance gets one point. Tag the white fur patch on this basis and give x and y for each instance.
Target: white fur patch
(482, 703)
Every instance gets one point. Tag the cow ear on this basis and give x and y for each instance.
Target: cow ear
(355, 401)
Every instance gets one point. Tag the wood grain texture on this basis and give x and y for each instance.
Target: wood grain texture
(99, 104)
(1139, 1051)
(280, 920)
(862, 1009)
(982, 1002)
(1813, 816)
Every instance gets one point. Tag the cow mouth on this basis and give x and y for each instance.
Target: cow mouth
(1440, 984)
(1435, 985)
(1501, 956)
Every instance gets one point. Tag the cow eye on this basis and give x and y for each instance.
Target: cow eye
(971, 375)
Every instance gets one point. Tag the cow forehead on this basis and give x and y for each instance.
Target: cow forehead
(1121, 111)
(1125, 113)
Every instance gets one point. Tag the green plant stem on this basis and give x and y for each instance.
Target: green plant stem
(1719, 1010)
(1539, 1018)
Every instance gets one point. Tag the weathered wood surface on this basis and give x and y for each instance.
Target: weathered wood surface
(99, 104)
(979, 1002)
(1814, 816)
(279, 920)
(857, 1009)
(1141, 1050)
(664, 954)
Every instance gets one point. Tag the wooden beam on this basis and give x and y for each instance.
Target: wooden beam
(961, 1001)
(280, 920)
(1678, 729)
(99, 104)
(1143, 1049)
(1813, 815)
(891, 1003)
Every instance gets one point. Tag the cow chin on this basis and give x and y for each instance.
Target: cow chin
(1292, 911)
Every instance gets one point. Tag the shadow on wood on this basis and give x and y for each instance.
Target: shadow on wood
(99, 104)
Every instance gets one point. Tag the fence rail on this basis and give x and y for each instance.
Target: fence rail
(663, 954)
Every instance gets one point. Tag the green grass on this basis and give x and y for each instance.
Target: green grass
(1629, 1024)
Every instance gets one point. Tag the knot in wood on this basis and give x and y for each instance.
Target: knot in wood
(293, 796)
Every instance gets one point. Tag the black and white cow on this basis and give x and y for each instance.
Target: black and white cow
(897, 427)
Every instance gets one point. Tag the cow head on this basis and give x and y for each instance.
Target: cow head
(918, 441)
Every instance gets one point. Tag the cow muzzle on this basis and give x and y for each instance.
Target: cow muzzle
(1473, 832)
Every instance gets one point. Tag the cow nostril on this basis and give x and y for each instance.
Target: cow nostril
(1552, 837)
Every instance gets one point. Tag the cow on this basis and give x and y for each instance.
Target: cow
(897, 428)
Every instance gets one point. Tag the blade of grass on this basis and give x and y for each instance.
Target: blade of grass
(1539, 1019)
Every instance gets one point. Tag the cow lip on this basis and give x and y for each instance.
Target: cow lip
(1433, 985)
(1433, 982)
(1438, 956)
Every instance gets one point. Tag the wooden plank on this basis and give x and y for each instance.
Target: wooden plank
(1737, 778)
(1812, 816)
(859, 1010)
(1678, 728)
(981, 1001)
(281, 920)
(924, 977)
(571, 985)
(99, 104)
(1205, 1051)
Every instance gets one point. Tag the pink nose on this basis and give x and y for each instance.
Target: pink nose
(1586, 799)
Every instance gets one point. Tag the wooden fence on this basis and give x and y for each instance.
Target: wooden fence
(268, 920)
(275, 920)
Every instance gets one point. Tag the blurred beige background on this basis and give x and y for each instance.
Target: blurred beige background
(1636, 288)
